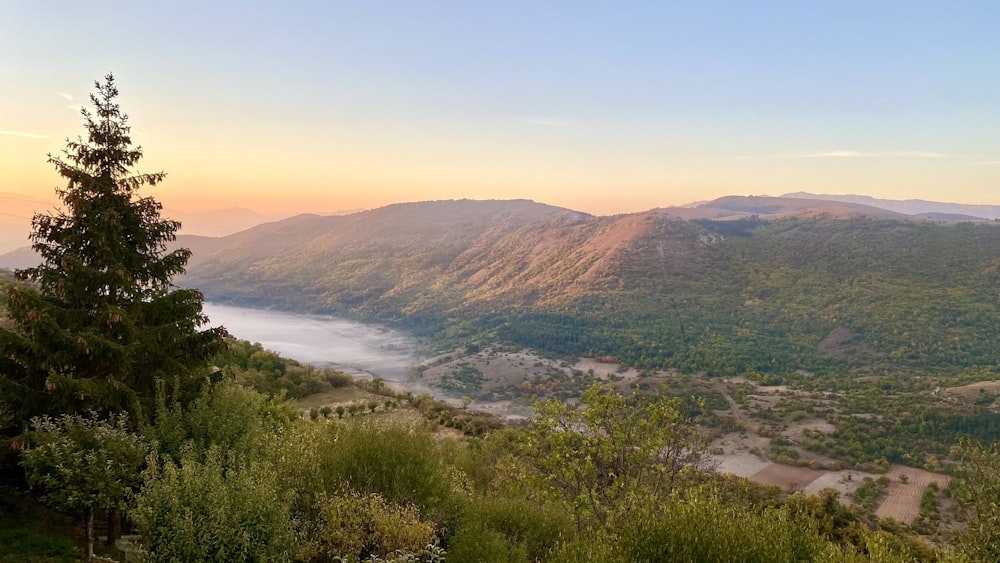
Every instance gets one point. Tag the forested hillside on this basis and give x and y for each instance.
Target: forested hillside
(774, 287)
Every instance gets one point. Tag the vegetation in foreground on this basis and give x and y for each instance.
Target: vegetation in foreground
(238, 475)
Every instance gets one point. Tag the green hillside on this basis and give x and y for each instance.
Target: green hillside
(772, 295)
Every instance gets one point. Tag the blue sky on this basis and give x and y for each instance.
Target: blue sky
(603, 107)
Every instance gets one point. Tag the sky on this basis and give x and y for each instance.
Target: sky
(603, 107)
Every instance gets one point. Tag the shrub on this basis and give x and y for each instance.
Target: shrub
(526, 530)
(357, 526)
(392, 461)
(213, 510)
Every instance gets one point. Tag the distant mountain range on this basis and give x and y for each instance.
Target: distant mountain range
(917, 207)
(16, 211)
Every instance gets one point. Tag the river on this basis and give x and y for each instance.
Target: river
(356, 348)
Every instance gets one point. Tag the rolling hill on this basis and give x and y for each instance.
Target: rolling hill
(771, 285)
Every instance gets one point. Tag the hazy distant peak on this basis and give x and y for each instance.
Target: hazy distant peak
(915, 207)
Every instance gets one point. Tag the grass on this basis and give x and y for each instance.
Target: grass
(24, 544)
(36, 535)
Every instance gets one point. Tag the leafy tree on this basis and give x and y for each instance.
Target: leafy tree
(101, 322)
(615, 451)
(980, 491)
(83, 464)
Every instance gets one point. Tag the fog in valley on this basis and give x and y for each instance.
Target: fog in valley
(354, 347)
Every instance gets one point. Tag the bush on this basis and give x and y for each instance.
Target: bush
(399, 464)
(226, 415)
(213, 510)
(525, 530)
(356, 526)
(700, 528)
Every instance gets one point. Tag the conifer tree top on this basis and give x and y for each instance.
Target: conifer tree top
(103, 322)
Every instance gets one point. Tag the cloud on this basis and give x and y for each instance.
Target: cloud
(22, 134)
(545, 121)
(847, 154)
(69, 98)
(987, 163)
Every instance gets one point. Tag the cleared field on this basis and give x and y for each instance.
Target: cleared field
(902, 502)
(789, 477)
(973, 391)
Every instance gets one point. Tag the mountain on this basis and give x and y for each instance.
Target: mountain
(917, 207)
(766, 207)
(16, 211)
(734, 285)
(341, 262)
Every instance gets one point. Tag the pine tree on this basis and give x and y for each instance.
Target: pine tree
(100, 321)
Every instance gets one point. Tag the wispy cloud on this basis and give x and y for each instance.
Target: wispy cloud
(10, 133)
(545, 121)
(847, 154)
(69, 98)
(987, 163)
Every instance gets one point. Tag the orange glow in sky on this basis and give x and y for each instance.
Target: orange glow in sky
(341, 106)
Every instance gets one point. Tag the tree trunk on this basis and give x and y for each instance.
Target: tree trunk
(114, 526)
(90, 534)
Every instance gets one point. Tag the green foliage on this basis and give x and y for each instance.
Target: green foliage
(226, 415)
(102, 322)
(602, 459)
(83, 464)
(980, 494)
(267, 372)
(399, 464)
(440, 412)
(870, 492)
(210, 508)
(19, 544)
(700, 528)
(356, 527)
(500, 528)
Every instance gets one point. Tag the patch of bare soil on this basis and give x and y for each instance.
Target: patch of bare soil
(788, 477)
(845, 481)
(841, 344)
(741, 454)
(605, 370)
(973, 391)
(491, 370)
(795, 429)
(902, 502)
